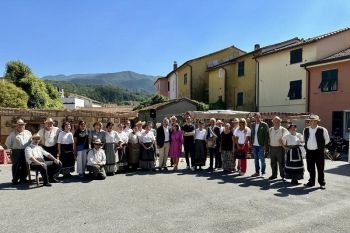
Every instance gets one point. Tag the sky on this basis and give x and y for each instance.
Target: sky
(147, 36)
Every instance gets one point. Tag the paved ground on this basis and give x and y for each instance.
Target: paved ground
(182, 201)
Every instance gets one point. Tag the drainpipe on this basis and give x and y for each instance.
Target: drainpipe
(308, 89)
(256, 84)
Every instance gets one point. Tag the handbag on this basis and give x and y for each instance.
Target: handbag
(211, 142)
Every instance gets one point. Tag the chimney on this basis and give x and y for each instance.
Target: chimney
(256, 47)
(174, 66)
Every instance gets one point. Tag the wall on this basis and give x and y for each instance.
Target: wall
(184, 89)
(163, 87)
(173, 86)
(217, 85)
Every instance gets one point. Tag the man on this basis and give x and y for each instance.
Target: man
(188, 132)
(220, 124)
(213, 143)
(162, 142)
(49, 170)
(96, 160)
(17, 141)
(260, 139)
(49, 136)
(276, 147)
(316, 138)
(127, 130)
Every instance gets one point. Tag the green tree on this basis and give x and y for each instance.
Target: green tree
(12, 96)
(155, 99)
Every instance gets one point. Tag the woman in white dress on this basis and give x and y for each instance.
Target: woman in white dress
(65, 150)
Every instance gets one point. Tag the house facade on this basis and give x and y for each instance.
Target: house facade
(162, 86)
(281, 82)
(330, 91)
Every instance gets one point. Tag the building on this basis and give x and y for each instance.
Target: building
(193, 78)
(281, 82)
(74, 101)
(172, 78)
(329, 91)
(162, 86)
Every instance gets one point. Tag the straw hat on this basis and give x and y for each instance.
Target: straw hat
(97, 142)
(49, 120)
(20, 122)
(138, 123)
(36, 136)
(314, 117)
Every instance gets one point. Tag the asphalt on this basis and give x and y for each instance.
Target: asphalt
(182, 201)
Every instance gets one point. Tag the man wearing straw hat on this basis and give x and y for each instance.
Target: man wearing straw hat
(49, 136)
(96, 160)
(316, 138)
(17, 141)
(49, 170)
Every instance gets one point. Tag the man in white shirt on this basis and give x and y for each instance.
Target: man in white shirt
(316, 138)
(49, 170)
(96, 160)
(163, 143)
(49, 136)
(127, 129)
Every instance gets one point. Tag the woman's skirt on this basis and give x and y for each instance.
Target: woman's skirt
(111, 158)
(147, 158)
(200, 153)
(52, 150)
(122, 164)
(228, 162)
(294, 166)
(134, 154)
(67, 159)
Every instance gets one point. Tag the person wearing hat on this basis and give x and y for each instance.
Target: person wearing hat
(276, 149)
(49, 136)
(294, 165)
(35, 154)
(316, 138)
(96, 160)
(17, 141)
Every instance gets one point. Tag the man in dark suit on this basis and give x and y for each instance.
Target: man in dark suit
(163, 143)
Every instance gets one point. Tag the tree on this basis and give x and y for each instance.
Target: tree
(152, 100)
(12, 96)
(17, 70)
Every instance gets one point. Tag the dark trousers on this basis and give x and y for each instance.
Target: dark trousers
(53, 150)
(277, 160)
(19, 166)
(49, 171)
(214, 153)
(189, 149)
(315, 157)
(97, 172)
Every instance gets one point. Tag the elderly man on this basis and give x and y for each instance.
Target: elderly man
(315, 138)
(260, 141)
(49, 170)
(276, 133)
(127, 129)
(162, 142)
(49, 136)
(17, 141)
(96, 160)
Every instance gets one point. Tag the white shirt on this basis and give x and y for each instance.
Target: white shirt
(65, 138)
(276, 135)
(133, 138)
(49, 137)
(312, 143)
(121, 136)
(111, 137)
(242, 134)
(127, 131)
(166, 134)
(256, 142)
(147, 137)
(200, 134)
(293, 140)
(18, 140)
(96, 157)
(37, 152)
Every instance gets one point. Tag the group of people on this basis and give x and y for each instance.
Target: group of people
(106, 151)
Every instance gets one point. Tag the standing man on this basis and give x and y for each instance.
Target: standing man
(260, 141)
(188, 132)
(49, 136)
(316, 138)
(163, 143)
(127, 129)
(276, 133)
(17, 141)
(213, 143)
(234, 126)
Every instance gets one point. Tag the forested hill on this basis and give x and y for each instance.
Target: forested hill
(104, 94)
(125, 79)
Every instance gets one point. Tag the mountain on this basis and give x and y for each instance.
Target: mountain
(125, 79)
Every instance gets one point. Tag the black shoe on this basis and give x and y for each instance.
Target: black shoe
(165, 169)
(24, 181)
(210, 169)
(272, 177)
(15, 182)
(67, 175)
(48, 185)
(53, 180)
(323, 187)
(308, 184)
(294, 182)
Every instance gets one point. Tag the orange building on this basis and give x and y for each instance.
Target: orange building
(162, 86)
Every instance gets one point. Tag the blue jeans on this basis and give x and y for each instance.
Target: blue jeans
(259, 155)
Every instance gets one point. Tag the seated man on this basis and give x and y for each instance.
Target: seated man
(96, 159)
(49, 170)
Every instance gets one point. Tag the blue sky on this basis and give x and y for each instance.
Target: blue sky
(91, 36)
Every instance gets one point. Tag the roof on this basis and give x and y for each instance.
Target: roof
(302, 42)
(84, 98)
(339, 56)
(166, 103)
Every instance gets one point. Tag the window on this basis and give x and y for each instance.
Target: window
(185, 79)
(240, 68)
(240, 99)
(168, 86)
(329, 80)
(296, 56)
(294, 90)
(221, 73)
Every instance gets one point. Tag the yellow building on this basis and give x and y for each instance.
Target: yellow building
(233, 82)
(193, 78)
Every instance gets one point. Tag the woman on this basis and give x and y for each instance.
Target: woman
(242, 138)
(200, 151)
(227, 145)
(176, 141)
(65, 150)
(122, 142)
(97, 133)
(213, 142)
(110, 150)
(81, 146)
(147, 140)
(134, 148)
(294, 166)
